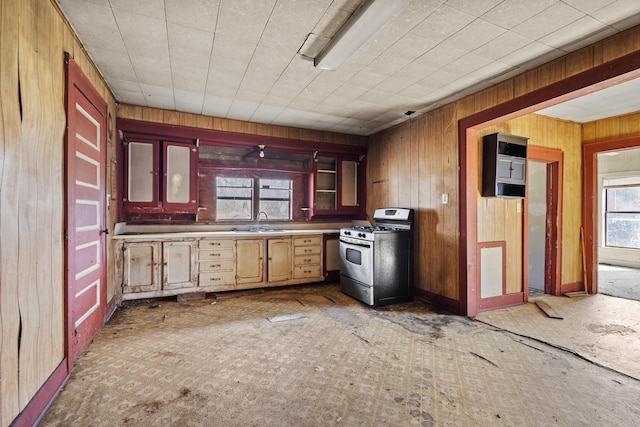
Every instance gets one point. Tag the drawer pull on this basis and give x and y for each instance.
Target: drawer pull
(213, 279)
(214, 244)
(215, 266)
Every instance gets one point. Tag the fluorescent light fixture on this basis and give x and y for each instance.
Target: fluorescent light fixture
(365, 21)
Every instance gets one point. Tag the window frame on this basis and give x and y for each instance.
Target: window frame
(610, 184)
(299, 197)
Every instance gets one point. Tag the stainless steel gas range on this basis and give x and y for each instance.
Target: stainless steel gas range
(376, 262)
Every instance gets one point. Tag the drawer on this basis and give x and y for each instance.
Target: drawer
(302, 271)
(217, 278)
(217, 265)
(306, 260)
(215, 244)
(219, 255)
(308, 240)
(306, 250)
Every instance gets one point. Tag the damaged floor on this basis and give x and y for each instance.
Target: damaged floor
(311, 356)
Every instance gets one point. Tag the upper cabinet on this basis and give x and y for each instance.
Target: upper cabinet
(160, 176)
(338, 189)
(177, 173)
(504, 165)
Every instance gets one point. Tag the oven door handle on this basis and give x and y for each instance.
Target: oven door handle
(363, 245)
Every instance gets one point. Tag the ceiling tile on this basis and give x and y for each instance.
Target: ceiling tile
(142, 35)
(189, 47)
(190, 102)
(565, 37)
(510, 13)
(443, 23)
(196, 14)
(242, 110)
(476, 7)
(203, 55)
(216, 106)
(503, 45)
(474, 35)
(150, 8)
(549, 20)
(128, 97)
(243, 20)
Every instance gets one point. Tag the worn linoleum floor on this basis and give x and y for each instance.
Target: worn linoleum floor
(224, 363)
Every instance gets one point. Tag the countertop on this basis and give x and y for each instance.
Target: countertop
(221, 234)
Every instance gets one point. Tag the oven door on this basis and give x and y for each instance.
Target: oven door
(356, 260)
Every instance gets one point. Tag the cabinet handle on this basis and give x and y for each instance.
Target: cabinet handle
(214, 266)
(214, 244)
(215, 254)
(213, 279)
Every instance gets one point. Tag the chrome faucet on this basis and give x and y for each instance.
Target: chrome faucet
(266, 217)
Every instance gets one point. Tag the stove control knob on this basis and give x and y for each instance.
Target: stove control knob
(362, 235)
(347, 233)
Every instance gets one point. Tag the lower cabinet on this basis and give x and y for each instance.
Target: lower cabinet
(217, 264)
(141, 267)
(149, 269)
(307, 259)
(179, 265)
(250, 261)
(279, 260)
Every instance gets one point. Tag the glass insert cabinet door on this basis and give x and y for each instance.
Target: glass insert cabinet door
(160, 176)
(178, 174)
(141, 172)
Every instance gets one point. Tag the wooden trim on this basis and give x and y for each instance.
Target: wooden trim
(501, 301)
(209, 136)
(553, 251)
(572, 287)
(38, 405)
(599, 77)
(439, 300)
(499, 244)
(590, 201)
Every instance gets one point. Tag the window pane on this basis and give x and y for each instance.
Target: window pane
(275, 198)
(623, 230)
(234, 198)
(623, 199)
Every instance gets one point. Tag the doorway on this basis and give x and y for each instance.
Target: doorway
(543, 222)
(537, 226)
(86, 227)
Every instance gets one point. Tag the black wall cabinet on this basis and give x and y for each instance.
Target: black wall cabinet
(504, 167)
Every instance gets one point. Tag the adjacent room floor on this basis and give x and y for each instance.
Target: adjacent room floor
(311, 356)
(622, 282)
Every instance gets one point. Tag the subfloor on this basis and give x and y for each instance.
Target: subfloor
(311, 356)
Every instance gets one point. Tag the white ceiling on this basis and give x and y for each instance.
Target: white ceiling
(253, 59)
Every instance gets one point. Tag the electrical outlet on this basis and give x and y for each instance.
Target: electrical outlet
(445, 198)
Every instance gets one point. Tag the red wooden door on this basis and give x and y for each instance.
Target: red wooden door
(86, 212)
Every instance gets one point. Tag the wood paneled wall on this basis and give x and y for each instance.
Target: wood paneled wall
(32, 125)
(432, 139)
(611, 128)
(155, 115)
(502, 219)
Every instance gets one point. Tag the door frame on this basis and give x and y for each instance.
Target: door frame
(601, 76)
(76, 78)
(590, 153)
(554, 159)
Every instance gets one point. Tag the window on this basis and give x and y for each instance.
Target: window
(235, 198)
(622, 214)
(275, 198)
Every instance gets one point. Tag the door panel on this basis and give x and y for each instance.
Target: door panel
(86, 197)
